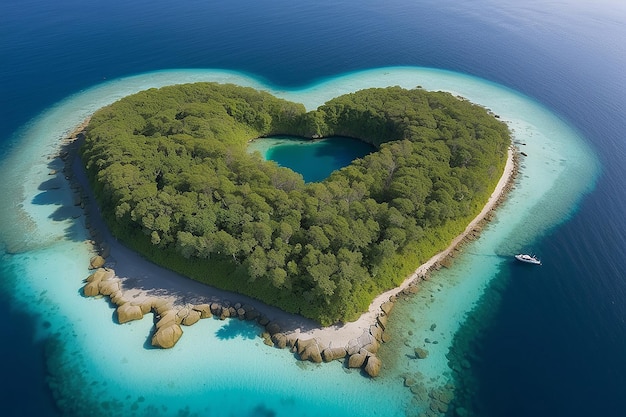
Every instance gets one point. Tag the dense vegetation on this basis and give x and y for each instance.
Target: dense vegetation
(170, 170)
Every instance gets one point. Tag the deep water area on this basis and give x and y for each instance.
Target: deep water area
(512, 340)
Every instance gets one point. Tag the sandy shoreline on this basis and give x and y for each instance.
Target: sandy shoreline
(142, 280)
(348, 331)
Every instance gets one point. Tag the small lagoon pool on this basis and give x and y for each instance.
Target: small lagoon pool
(315, 160)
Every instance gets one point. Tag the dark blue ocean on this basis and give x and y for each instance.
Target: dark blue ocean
(550, 341)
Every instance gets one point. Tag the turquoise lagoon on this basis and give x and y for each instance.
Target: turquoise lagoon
(98, 367)
(315, 160)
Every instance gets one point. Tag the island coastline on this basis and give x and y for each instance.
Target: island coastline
(149, 287)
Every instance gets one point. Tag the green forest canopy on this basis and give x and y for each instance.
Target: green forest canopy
(171, 173)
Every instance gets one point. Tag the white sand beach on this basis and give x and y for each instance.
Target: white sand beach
(340, 335)
(143, 280)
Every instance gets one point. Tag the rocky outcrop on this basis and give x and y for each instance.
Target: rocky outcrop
(96, 262)
(92, 287)
(279, 340)
(128, 312)
(109, 286)
(309, 349)
(331, 354)
(166, 336)
(272, 328)
(376, 332)
(373, 365)
(382, 321)
(357, 360)
(188, 316)
(360, 352)
(169, 317)
(204, 310)
(386, 307)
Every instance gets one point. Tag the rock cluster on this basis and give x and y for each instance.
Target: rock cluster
(169, 318)
(360, 352)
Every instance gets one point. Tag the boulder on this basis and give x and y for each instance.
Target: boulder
(280, 340)
(386, 307)
(309, 350)
(100, 274)
(302, 344)
(353, 347)
(91, 289)
(216, 309)
(160, 306)
(331, 354)
(312, 353)
(241, 313)
(373, 346)
(368, 342)
(251, 313)
(267, 339)
(95, 277)
(145, 305)
(166, 319)
(420, 353)
(128, 312)
(96, 262)
(204, 310)
(411, 289)
(357, 360)
(272, 328)
(167, 336)
(192, 317)
(109, 286)
(376, 332)
(118, 298)
(372, 366)
(382, 321)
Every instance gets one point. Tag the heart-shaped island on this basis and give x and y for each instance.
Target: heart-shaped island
(173, 179)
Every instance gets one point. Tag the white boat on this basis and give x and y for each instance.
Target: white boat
(530, 259)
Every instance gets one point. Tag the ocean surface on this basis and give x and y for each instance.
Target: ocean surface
(513, 340)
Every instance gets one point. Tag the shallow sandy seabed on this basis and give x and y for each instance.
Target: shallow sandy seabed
(51, 261)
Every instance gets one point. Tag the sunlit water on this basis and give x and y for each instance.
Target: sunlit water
(223, 368)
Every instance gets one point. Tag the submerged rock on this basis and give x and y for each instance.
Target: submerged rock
(420, 353)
